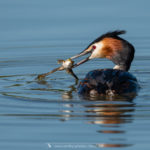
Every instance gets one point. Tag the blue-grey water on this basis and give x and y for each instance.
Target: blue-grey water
(49, 114)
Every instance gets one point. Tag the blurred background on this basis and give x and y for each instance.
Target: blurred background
(38, 20)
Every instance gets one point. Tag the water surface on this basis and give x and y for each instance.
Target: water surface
(50, 114)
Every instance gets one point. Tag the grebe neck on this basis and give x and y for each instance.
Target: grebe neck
(121, 67)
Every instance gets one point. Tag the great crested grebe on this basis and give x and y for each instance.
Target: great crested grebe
(109, 81)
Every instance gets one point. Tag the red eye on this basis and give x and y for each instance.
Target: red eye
(94, 47)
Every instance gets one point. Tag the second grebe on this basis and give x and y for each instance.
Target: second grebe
(109, 81)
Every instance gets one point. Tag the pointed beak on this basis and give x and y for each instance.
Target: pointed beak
(85, 52)
(81, 54)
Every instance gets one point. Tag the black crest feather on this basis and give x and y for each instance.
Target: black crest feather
(113, 34)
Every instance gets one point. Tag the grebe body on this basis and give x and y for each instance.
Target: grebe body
(109, 81)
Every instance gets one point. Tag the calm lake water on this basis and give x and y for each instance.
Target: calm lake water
(49, 114)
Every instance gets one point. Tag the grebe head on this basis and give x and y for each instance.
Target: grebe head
(112, 47)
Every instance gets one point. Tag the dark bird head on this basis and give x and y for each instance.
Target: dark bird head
(112, 47)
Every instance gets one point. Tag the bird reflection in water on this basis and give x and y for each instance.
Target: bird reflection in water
(109, 115)
(109, 112)
(68, 95)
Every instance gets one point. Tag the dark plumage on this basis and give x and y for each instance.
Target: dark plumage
(108, 82)
(113, 34)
